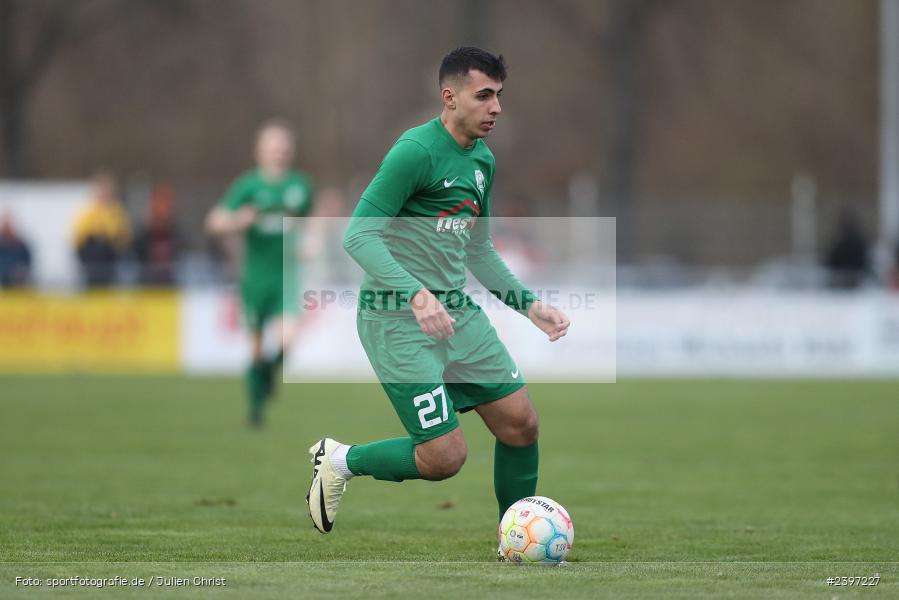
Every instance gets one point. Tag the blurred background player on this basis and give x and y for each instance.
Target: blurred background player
(255, 206)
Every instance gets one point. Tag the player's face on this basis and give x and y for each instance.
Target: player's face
(275, 149)
(477, 104)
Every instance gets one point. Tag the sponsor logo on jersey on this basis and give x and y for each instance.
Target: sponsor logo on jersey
(449, 221)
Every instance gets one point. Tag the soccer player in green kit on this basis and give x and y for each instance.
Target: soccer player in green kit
(421, 222)
(255, 206)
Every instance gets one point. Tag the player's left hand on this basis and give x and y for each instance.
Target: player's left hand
(549, 319)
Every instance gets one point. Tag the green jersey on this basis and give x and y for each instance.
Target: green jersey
(266, 256)
(422, 220)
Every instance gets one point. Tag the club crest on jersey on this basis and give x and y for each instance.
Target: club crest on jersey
(480, 182)
(450, 221)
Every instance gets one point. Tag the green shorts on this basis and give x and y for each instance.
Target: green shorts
(263, 302)
(429, 380)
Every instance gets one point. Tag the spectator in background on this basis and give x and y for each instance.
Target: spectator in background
(15, 257)
(101, 233)
(847, 261)
(157, 245)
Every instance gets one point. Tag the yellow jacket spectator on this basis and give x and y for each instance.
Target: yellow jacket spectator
(101, 233)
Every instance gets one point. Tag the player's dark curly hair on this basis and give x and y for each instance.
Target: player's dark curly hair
(461, 60)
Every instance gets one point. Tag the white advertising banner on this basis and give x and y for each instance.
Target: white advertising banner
(327, 347)
(764, 334)
(634, 334)
(213, 340)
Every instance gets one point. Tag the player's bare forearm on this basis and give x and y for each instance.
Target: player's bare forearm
(222, 221)
(549, 319)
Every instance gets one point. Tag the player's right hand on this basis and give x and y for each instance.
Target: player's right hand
(244, 217)
(431, 315)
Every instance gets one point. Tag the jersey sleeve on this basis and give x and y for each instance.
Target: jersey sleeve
(403, 172)
(400, 175)
(488, 267)
(236, 196)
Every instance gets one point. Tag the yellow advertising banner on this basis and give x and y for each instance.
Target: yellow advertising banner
(93, 332)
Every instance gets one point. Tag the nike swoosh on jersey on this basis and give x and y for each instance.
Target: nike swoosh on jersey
(447, 182)
(515, 373)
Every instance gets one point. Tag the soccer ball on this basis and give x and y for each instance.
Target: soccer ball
(536, 530)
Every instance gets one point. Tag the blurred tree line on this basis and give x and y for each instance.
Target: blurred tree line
(663, 102)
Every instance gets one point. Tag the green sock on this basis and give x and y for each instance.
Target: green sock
(387, 460)
(275, 361)
(514, 474)
(256, 388)
(269, 371)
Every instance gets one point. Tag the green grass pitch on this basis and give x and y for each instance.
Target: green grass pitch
(677, 489)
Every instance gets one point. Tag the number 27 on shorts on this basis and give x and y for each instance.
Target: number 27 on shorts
(428, 399)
